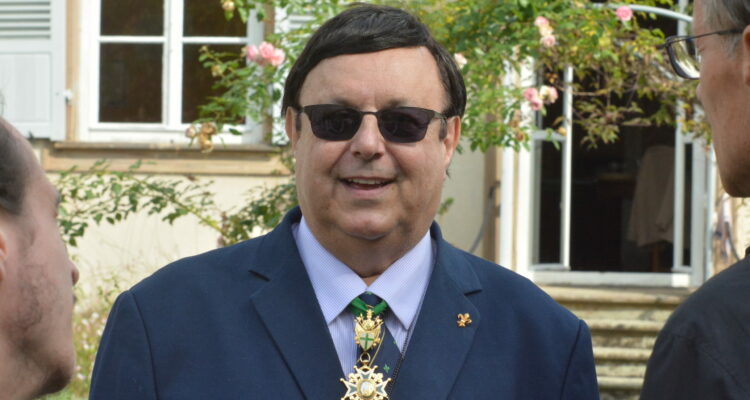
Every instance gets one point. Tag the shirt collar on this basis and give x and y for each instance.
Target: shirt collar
(402, 285)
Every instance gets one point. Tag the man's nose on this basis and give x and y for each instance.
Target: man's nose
(368, 143)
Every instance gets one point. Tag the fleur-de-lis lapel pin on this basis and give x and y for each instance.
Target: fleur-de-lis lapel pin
(464, 320)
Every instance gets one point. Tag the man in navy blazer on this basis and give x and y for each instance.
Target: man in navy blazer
(373, 110)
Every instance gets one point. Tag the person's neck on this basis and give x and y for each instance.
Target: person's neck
(16, 378)
(368, 258)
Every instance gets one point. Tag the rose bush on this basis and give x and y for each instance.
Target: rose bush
(614, 57)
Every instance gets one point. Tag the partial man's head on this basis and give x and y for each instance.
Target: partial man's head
(37, 355)
(724, 88)
(373, 110)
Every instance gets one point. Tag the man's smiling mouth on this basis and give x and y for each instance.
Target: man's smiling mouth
(366, 183)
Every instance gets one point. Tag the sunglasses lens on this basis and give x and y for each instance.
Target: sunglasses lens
(400, 124)
(404, 124)
(332, 122)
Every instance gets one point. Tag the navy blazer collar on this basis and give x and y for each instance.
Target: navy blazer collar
(288, 307)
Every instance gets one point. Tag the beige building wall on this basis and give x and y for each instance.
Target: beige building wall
(466, 186)
(133, 249)
(117, 256)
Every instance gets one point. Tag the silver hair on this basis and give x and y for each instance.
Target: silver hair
(727, 14)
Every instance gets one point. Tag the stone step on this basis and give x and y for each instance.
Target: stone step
(621, 340)
(620, 395)
(624, 333)
(621, 354)
(610, 383)
(619, 388)
(669, 298)
(623, 313)
(621, 369)
(618, 303)
(624, 324)
(616, 362)
(642, 327)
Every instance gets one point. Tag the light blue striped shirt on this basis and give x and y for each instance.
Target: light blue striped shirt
(402, 286)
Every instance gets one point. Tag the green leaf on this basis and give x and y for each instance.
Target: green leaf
(242, 11)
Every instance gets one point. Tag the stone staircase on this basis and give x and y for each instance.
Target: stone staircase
(624, 323)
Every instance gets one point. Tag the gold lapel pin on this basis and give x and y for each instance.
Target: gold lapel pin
(464, 320)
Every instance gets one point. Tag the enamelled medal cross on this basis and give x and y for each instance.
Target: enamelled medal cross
(365, 383)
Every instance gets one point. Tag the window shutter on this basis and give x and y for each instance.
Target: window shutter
(32, 66)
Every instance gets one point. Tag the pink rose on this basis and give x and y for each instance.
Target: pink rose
(548, 94)
(530, 94)
(277, 58)
(537, 104)
(266, 50)
(252, 52)
(548, 41)
(544, 27)
(624, 13)
(541, 21)
(265, 54)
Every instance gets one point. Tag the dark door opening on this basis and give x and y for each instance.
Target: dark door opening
(622, 195)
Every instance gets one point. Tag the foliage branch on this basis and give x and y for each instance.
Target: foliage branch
(99, 195)
(619, 68)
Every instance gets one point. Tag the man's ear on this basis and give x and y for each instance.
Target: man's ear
(290, 126)
(745, 54)
(451, 139)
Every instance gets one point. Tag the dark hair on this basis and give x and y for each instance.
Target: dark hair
(13, 171)
(367, 28)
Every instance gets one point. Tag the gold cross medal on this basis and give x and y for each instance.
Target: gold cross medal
(364, 383)
(367, 331)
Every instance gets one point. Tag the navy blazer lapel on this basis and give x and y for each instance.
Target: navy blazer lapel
(290, 311)
(438, 346)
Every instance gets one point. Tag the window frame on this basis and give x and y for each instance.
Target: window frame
(171, 129)
(518, 237)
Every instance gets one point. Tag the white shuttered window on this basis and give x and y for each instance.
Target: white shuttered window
(32, 66)
(145, 80)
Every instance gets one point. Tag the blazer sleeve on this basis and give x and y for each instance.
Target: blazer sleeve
(580, 377)
(123, 369)
(680, 368)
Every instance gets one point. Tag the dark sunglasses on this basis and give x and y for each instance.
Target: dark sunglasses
(398, 124)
